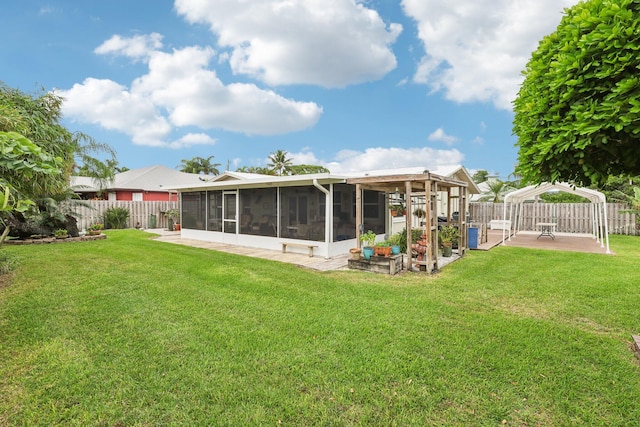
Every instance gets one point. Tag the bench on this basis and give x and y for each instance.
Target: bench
(500, 224)
(300, 245)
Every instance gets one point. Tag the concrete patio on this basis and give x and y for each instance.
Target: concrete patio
(315, 263)
(529, 239)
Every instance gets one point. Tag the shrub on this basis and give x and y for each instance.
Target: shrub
(416, 233)
(116, 217)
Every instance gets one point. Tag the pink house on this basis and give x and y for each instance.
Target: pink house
(145, 184)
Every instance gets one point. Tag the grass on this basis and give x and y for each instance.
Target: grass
(130, 331)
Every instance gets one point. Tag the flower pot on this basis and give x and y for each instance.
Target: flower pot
(355, 253)
(367, 252)
(176, 227)
(94, 232)
(382, 250)
(446, 249)
(395, 249)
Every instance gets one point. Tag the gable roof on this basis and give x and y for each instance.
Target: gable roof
(152, 178)
(530, 192)
(457, 172)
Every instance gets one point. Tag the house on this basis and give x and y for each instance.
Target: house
(145, 184)
(327, 212)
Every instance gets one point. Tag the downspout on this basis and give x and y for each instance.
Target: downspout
(328, 210)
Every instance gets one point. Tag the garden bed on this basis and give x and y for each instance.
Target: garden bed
(54, 240)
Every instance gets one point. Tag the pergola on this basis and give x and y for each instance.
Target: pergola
(598, 213)
(423, 186)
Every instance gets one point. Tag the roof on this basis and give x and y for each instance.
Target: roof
(152, 178)
(234, 180)
(530, 192)
(230, 179)
(241, 179)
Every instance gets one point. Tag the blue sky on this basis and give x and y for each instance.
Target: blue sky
(351, 85)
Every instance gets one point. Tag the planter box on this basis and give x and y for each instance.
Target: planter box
(378, 264)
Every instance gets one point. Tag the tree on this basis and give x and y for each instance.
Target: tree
(619, 187)
(199, 165)
(481, 175)
(307, 169)
(577, 114)
(280, 163)
(256, 169)
(38, 153)
(37, 118)
(496, 192)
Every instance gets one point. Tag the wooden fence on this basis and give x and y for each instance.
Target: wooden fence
(569, 217)
(142, 213)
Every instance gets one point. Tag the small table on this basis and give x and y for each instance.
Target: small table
(546, 229)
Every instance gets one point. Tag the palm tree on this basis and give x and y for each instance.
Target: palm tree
(280, 163)
(497, 189)
(199, 165)
(188, 166)
(208, 168)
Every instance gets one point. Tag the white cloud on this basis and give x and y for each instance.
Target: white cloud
(476, 49)
(330, 43)
(304, 157)
(439, 135)
(137, 47)
(180, 90)
(478, 140)
(391, 158)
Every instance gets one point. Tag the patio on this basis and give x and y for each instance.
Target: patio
(302, 260)
(529, 239)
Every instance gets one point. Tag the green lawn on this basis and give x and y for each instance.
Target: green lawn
(129, 331)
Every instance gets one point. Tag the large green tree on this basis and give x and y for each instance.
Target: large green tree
(38, 153)
(577, 114)
(37, 118)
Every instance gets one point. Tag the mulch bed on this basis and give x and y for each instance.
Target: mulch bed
(54, 240)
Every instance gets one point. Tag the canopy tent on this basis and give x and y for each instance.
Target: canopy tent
(517, 197)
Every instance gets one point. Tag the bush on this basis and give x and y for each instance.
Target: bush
(116, 217)
(416, 233)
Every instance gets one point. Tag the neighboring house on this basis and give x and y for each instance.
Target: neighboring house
(145, 184)
(318, 209)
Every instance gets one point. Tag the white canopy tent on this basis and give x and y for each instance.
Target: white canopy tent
(517, 197)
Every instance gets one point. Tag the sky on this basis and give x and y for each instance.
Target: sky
(351, 85)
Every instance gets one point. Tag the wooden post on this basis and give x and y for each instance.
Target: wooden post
(427, 224)
(408, 220)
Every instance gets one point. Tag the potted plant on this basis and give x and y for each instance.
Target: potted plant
(396, 241)
(395, 209)
(448, 235)
(383, 248)
(172, 215)
(368, 240)
(95, 228)
(420, 213)
(61, 233)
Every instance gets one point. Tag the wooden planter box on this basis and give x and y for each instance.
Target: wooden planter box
(378, 264)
